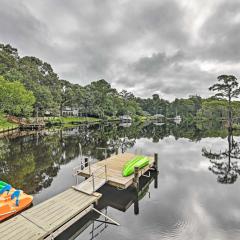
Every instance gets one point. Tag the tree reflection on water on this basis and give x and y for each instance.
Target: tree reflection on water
(31, 162)
(225, 164)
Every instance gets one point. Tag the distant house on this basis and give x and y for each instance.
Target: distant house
(158, 116)
(70, 111)
(125, 118)
(177, 119)
(47, 113)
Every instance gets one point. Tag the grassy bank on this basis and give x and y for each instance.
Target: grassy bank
(5, 124)
(70, 120)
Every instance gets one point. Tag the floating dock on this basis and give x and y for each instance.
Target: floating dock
(113, 170)
(50, 218)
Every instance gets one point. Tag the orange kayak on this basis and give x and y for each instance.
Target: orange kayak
(13, 201)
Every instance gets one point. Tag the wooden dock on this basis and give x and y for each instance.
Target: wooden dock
(114, 166)
(32, 126)
(42, 220)
(50, 218)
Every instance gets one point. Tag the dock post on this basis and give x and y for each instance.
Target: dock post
(93, 182)
(136, 207)
(89, 168)
(105, 169)
(155, 164)
(156, 181)
(86, 162)
(136, 178)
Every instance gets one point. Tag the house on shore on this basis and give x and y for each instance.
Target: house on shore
(70, 112)
(125, 118)
(159, 117)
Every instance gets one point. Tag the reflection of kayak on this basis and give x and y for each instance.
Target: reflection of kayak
(12, 200)
(138, 161)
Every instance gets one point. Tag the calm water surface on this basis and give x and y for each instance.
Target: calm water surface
(194, 196)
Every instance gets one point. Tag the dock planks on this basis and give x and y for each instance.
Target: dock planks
(55, 214)
(43, 219)
(90, 185)
(20, 228)
(114, 166)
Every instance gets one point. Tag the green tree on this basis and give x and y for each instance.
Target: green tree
(227, 88)
(15, 99)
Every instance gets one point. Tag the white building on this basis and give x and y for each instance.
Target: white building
(70, 111)
(125, 118)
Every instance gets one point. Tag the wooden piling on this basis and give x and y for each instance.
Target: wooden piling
(136, 207)
(156, 181)
(86, 162)
(136, 177)
(155, 164)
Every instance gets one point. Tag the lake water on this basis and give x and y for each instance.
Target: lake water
(194, 196)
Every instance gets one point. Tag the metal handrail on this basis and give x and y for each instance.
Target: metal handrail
(96, 171)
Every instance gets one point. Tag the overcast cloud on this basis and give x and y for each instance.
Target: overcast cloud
(174, 48)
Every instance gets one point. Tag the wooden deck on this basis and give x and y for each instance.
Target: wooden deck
(45, 218)
(114, 166)
(90, 185)
(50, 218)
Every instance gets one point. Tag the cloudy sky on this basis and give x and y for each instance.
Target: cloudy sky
(174, 48)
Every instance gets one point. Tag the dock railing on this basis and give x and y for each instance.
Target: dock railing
(83, 165)
(99, 173)
(96, 174)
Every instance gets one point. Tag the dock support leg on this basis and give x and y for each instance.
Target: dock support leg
(156, 181)
(136, 178)
(136, 207)
(86, 162)
(155, 164)
(86, 165)
(106, 217)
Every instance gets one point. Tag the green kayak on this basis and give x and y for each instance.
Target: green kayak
(138, 161)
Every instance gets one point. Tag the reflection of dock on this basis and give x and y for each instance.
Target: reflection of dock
(52, 217)
(93, 224)
(122, 200)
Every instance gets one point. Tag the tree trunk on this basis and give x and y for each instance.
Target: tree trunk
(229, 113)
(61, 108)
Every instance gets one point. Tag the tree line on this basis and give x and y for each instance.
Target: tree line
(28, 84)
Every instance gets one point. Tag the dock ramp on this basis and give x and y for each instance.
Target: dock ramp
(95, 181)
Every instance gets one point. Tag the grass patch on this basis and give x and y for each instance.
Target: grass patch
(69, 120)
(5, 124)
